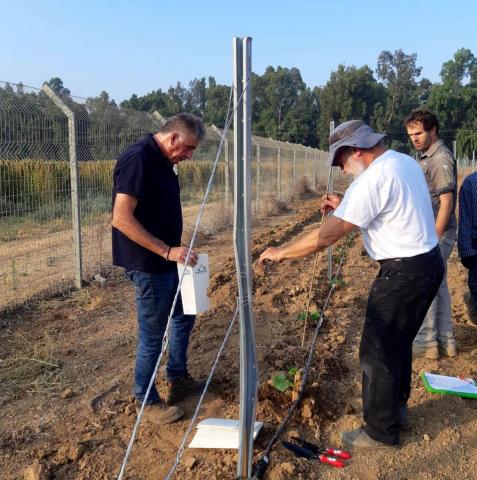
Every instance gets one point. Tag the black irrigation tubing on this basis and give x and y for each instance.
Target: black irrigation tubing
(264, 460)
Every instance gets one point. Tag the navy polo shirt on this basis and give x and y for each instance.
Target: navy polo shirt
(144, 172)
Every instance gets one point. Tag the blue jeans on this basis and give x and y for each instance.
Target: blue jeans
(154, 296)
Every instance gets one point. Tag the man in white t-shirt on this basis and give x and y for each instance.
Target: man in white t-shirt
(389, 201)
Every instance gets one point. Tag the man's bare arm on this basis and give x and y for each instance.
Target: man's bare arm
(125, 221)
(444, 212)
(332, 230)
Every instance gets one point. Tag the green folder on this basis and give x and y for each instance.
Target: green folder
(445, 385)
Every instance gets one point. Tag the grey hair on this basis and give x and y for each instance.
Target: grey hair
(185, 122)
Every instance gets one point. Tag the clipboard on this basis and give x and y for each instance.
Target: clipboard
(445, 385)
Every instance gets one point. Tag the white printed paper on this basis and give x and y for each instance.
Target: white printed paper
(194, 286)
(219, 433)
(451, 384)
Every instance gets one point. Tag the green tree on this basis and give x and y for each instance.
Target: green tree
(350, 93)
(455, 101)
(283, 107)
(56, 84)
(398, 72)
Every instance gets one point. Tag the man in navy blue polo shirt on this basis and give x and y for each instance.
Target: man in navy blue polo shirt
(146, 239)
(467, 240)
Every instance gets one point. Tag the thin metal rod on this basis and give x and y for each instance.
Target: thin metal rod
(310, 287)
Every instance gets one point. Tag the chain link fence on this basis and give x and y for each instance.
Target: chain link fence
(57, 155)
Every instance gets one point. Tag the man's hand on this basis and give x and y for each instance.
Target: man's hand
(271, 253)
(329, 203)
(179, 255)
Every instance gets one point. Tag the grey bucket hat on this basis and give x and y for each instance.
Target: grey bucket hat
(354, 133)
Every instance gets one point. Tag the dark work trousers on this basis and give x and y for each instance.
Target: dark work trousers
(471, 264)
(399, 299)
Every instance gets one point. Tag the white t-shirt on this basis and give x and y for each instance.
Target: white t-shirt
(391, 204)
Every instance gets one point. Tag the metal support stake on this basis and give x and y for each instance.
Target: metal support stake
(329, 252)
(473, 160)
(294, 168)
(279, 174)
(226, 173)
(74, 177)
(258, 179)
(454, 148)
(242, 238)
(305, 170)
(315, 162)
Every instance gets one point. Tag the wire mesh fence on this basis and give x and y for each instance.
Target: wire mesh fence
(57, 155)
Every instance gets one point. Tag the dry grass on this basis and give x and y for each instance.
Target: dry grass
(271, 206)
(302, 190)
(30, 366)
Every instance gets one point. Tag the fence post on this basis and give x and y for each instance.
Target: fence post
(454, 148)
(258, 179)
(294, 167)
(243, 259)
(314, 169)
(279, 174)
(330, 190)
(226, 172)
(74, 176)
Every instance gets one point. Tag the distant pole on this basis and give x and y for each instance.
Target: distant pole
(294, 167)
(473, 160)
(279, 174)
(454, 148)
(243, 258)
(330, 248)
(75, 184)
(258, 179)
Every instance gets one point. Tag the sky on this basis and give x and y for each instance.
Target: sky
(136, 46)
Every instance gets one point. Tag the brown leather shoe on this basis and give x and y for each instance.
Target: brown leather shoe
(431, 353)
(182, 388)
(159, 413)
(448, 350)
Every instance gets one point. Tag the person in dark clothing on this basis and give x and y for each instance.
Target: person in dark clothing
(390, 203)
(467, 239)
(146, 241)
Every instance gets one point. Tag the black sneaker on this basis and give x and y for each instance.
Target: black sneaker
(183, 388)
(359, 439)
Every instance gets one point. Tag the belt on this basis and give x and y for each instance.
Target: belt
(430, 253)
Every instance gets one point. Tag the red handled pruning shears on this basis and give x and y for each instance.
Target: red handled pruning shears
(310, 451)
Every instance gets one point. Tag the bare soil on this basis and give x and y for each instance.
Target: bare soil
(66, 373)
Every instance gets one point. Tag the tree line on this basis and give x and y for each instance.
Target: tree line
(285, 108)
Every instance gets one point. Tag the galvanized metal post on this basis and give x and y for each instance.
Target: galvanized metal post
(473, 160)
(454, 148)
(258, 179)
(242, 238)
(74, 178)
(315, 161)
(294, 167)
(279, 174)
(330, 189)
(226, 173)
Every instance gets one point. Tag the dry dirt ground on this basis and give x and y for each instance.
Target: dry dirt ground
(66, 369)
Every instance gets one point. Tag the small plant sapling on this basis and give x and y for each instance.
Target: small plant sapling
(283, 381)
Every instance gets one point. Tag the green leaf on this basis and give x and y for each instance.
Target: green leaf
(301, 316)
(281, 382)
(314, 316)
(293, 371)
